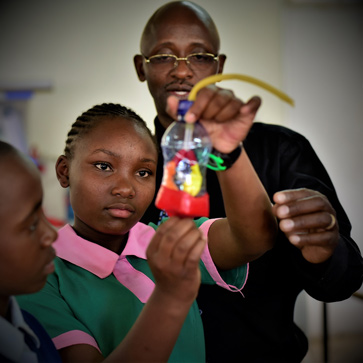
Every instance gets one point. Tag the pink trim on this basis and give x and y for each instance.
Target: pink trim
(139, 239)
(94, 258)
(136, 281)
(209, 264)
(90, 256)
(74, 337)
(247, 272)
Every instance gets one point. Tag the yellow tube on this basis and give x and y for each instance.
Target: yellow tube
(220, 77)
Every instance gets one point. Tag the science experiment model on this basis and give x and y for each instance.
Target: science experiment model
(187, 151)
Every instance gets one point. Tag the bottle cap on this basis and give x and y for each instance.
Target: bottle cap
(184, 106)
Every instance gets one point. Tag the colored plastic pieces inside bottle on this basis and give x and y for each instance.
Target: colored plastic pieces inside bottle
(186, 148)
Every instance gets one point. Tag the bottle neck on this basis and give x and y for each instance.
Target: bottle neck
(183, 108)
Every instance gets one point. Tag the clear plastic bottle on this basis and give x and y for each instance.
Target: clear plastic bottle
(186, 148)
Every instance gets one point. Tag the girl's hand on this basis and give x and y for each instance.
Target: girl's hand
(173, 255)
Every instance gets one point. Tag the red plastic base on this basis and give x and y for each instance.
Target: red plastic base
(182, 204)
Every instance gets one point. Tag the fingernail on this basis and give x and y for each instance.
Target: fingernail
(294, 238)
(284, 211)
(281, 198)
(287, 224)
(190, 117)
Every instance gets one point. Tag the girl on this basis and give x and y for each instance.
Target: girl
(102, 278)
(26, 258)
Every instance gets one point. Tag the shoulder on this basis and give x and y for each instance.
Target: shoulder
(264, 130)
(47, 350)
(274, 139)
(33, 323)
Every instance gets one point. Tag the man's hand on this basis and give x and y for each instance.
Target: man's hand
(226, 118)
(308, 221)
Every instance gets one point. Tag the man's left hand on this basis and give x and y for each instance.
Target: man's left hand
(309, 222)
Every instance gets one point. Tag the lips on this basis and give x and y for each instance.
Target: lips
(120, 210)
(180, 91)
(179, 94)
(49, 267)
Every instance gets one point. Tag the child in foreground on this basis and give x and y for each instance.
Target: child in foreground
(26, 258)
(109, 265)
(26, 242)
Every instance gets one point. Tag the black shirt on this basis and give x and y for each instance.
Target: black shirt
(259, 327)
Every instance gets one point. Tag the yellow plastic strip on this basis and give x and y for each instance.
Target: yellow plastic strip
(220, 77)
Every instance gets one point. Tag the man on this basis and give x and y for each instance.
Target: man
(314, 251)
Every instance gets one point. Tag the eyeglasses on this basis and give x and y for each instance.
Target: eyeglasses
(195, 61)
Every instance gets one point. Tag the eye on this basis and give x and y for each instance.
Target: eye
(144, 173)
(103, 166)
(161, 59)
(202, 58)
(34, 225)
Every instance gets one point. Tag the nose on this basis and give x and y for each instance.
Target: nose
(124, 189)
(182, 68)
(48, 233)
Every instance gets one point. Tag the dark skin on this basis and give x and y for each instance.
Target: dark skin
(305, 216)
(26, 236)
(115, 163)
(120, 190)
(309, 222)
(163, 37)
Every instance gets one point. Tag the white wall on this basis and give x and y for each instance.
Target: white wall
(85, 49)
(323, 70)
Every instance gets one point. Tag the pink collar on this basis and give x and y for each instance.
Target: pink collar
(94, 258)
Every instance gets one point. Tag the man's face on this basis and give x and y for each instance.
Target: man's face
(179, 35)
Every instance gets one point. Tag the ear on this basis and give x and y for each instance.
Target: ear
(139, 66)
(62, 171)
(222, 59)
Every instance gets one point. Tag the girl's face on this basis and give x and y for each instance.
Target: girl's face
(111, 178)
(26, 253)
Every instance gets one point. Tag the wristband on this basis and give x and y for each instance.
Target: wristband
(221, 161)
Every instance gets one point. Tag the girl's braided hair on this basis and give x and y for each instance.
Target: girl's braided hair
(92, 117)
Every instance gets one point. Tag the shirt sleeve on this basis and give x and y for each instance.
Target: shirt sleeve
(342, 274)
(233, 280)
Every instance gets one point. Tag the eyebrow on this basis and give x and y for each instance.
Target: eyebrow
(146, 160)
(105, 151)
(169, 43)
(111, 153)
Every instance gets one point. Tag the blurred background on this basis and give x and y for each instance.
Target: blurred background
(57, 59)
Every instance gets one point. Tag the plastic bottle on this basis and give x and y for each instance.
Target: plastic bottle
(186, 148)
